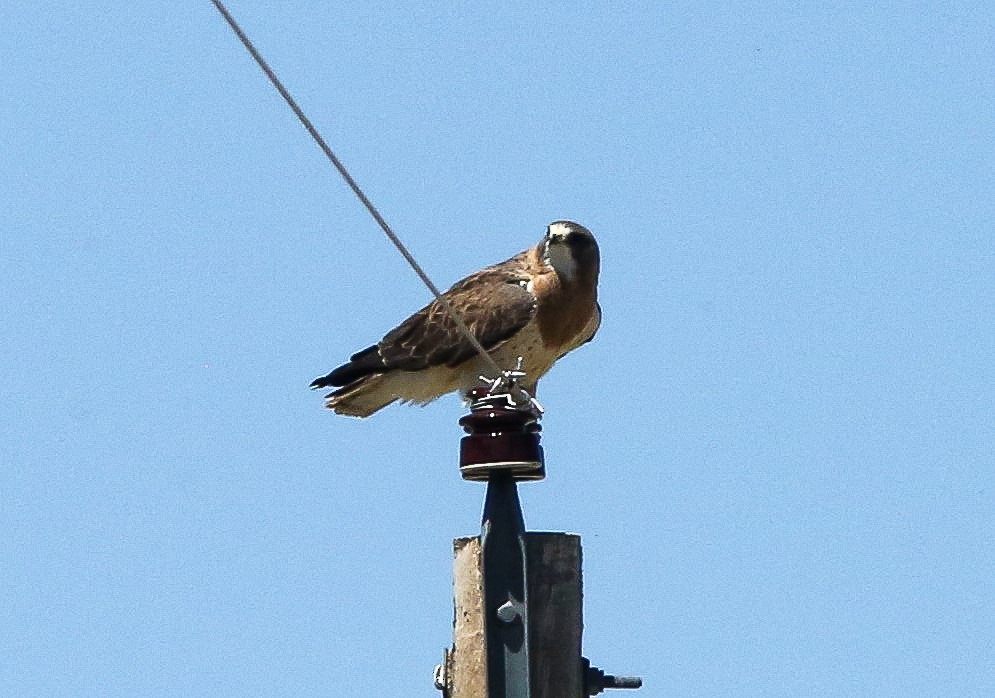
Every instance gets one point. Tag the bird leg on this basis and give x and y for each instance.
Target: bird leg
(509, 383)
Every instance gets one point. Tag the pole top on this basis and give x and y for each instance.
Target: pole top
(501, 437)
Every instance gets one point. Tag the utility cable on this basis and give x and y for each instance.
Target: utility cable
(457, 318)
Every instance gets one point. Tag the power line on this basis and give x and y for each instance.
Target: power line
(457, 318)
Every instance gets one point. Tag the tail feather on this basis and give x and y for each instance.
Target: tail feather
(361, 398)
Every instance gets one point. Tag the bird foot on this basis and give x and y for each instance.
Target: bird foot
(509, 385)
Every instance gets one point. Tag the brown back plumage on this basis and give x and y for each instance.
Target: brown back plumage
(494, 302)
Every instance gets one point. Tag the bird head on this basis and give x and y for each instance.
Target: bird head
(571, 250)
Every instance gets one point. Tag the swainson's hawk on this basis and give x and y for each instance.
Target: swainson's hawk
(538, 305)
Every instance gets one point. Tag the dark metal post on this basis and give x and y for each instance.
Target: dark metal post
(506, 615)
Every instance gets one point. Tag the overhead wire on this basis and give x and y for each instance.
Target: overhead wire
(288, 98)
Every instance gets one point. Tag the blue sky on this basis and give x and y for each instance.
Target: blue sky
(778, 450)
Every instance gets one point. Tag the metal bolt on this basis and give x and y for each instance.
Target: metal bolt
(623, 681)
(509, 612)
(596, 680)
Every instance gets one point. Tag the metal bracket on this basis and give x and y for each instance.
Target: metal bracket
(506, 616)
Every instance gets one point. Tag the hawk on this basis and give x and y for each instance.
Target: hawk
(537, 306)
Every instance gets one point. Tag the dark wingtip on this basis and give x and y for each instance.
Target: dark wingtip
(319, 383)
(361, 365)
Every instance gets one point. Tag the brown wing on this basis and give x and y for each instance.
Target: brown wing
(494, 303)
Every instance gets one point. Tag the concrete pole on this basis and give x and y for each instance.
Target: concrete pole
(555, 619)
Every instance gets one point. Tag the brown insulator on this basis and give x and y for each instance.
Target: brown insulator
(501, 436)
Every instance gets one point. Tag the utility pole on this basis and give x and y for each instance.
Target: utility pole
(518, 613)
(518, 623)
